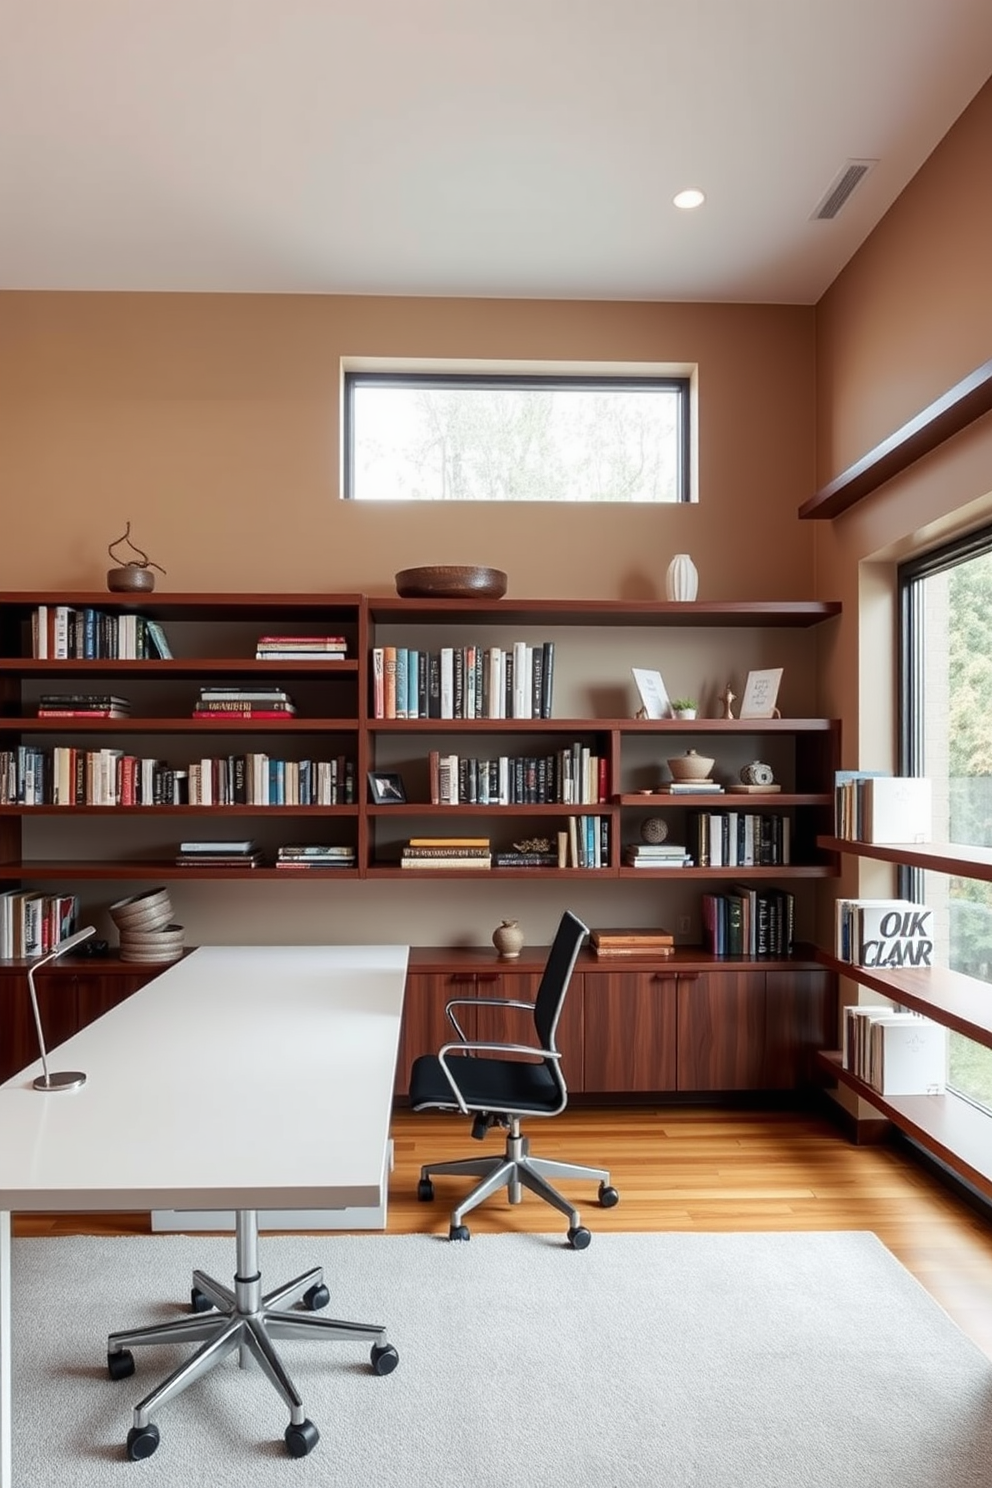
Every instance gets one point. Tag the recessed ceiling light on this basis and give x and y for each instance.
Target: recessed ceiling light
(693, 197)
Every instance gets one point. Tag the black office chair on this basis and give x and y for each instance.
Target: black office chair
(473, 1079)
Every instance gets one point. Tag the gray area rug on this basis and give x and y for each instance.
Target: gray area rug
(717, 1361)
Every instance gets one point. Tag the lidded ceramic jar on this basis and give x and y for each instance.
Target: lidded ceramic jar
(508, 938)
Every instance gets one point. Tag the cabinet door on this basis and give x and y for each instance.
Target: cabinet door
(425, 1027)
(99, 991)
(721, 1022)
(56, 1005)
(800, 1018)
(630, 1031)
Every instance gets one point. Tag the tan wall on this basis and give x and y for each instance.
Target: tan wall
(211, 423)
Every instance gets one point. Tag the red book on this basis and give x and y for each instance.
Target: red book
(238, 715)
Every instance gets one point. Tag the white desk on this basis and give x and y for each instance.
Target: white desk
(243, 1077)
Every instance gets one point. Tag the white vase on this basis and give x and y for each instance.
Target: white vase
(682, 579)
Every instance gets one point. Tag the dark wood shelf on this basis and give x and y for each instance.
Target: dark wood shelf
(961, 405)
(201, 726)
(47, 871)
(599, 612)
(732, 801)
(686, 959)
(949, 997)
(934, 857)
(344, 808)
(954, 1130)
(664, 726)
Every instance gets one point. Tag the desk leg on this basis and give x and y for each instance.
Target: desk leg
(5, 1380)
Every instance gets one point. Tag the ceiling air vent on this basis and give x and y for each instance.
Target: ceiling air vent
(852, 174)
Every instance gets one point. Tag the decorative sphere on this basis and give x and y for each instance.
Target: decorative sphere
(654, 829)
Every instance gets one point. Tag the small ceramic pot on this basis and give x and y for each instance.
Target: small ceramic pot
(131, 579)
(508, 938)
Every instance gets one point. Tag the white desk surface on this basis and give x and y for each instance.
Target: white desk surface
(242, 1077)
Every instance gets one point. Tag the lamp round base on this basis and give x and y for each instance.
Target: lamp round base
(64, 1080)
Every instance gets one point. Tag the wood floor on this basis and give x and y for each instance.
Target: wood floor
(697, 1168)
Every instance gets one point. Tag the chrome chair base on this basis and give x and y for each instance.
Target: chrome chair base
(515, 1171)
(241, 1318)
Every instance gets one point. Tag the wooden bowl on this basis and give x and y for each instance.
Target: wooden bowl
(690, 766)
(451, 581)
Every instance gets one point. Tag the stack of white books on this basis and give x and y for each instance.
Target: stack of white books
(895, 1052)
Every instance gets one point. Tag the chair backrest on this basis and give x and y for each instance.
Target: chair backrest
(557, 974)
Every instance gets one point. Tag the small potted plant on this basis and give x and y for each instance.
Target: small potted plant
(684, 707)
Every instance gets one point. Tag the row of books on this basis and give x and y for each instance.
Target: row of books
(60, 632)
(572, 776)
(463, 681)
(301, 648)
(32, 923)
(749, 922)
(67, 776)
(739, 839)
(894, 1051)
(883, 933)
(874, 806)
(244, 702)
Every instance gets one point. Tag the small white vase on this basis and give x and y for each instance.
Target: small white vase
(682, 579)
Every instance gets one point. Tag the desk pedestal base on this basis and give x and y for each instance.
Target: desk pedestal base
(242, 1318)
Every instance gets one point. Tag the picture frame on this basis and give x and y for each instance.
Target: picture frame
(655, 702)
(761, 694)
(387, 789)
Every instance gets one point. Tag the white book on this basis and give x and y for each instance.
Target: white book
(846, 922)
(909, 1055)
(497, 701)
(521, 684)
(447, 670)
(893, 935)
(898, 808)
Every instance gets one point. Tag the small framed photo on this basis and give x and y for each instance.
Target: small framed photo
(387, 790)
(654, 698)
(761, 694)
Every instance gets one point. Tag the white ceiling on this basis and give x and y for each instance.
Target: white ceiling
(465, 147)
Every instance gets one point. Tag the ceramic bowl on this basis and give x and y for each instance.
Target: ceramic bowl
(690, 766)
(451, 581)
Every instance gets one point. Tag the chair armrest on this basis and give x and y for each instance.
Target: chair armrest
(501, 1002)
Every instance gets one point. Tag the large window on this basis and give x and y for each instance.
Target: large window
(946, 630)
(457, 437)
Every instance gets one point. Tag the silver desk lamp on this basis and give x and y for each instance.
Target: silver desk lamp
(67, 1079)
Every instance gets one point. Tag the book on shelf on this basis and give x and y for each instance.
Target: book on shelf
(525, 860)
(159, 640)
(427, 864)
(631, 937)
(304, 647)
(644, 951)
(849, 796)
(443, 841)
(689, 788)
(232, 712)
(898, 808)
(245, 694)
(894, 1051)
(446, 852)
(313, 856)
(883, 933)
(217, 847)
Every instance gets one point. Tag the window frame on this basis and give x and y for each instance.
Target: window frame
(523, 381)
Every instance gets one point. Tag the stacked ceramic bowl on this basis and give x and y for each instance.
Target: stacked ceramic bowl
(144, 923)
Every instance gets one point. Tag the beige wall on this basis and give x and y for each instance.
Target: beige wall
(211, 423)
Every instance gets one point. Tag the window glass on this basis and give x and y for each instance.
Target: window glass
(947, 735)
(429, 437)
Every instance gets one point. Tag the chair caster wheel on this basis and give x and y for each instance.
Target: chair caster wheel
(578, 1237)
(459, 1232)
(608, 1197)
(425, 1191)
(384, 1358)
(198, 1301)
(301, 1439)
(142, 1441)
(318, 1296)
(120, 1365)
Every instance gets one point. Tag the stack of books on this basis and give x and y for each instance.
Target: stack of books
(218, 855)
(873, 806)
(463, 853)
(526, 858)
(632, 942)
(656, 855)
(307, 856)
(300, 648)
(894, 1051)
(883, 933)
(244, 702)
(83, 705)
(689, 788)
